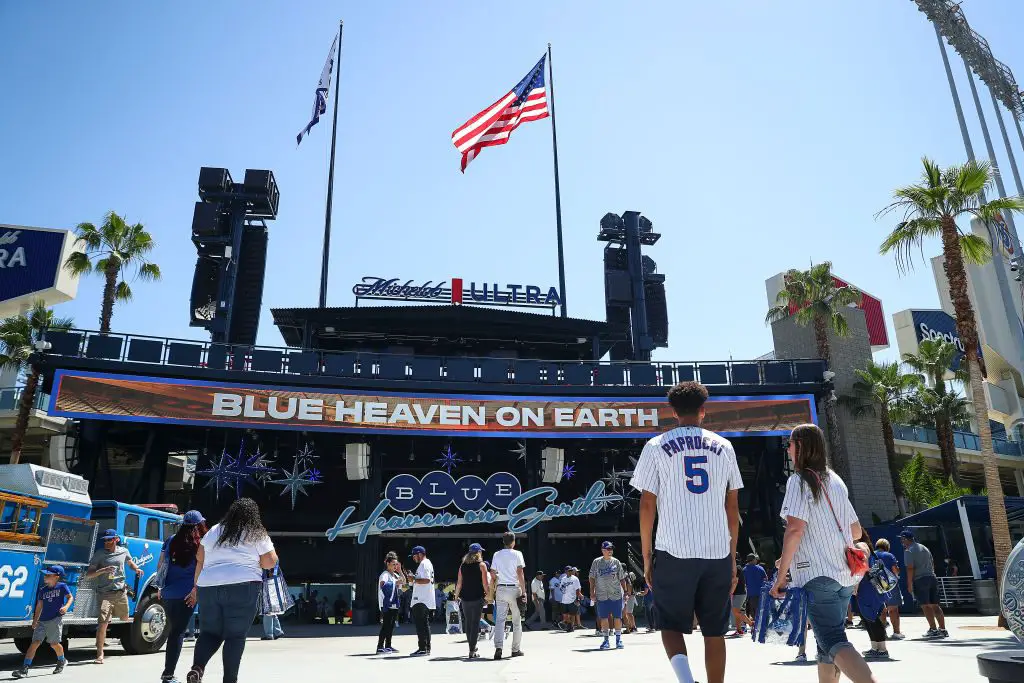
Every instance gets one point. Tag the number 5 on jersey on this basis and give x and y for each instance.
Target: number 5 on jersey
(696, 474)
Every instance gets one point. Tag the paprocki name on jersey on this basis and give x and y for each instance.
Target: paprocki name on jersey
(690, 470)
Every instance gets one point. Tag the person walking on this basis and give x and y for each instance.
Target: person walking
(895, 597)
(537, 594)
(689, 480)
(555, 586)
(650, 610)
(923, 584)
(389, 589)
(755, 576)
(572, 596)
(424, 599)
(739, 619)
(608, 590)
(507, 567)
(472, 586)
(229, 577)
(820, 526)
(271, 619)
(107, 568)
(176, 579)
(629, 605)
(871, 607)
(53, 599)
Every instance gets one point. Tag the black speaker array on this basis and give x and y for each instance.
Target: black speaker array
(252, 265)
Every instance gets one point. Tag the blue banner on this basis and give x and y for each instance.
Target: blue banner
(939, 325)
(29, 260)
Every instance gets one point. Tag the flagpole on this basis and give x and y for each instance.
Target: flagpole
(330, 173)
(558, 195)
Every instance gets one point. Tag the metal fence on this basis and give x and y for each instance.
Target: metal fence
(370, 365)
(11, 396)
(963, 440)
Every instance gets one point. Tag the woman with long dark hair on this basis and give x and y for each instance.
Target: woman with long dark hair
(177, 579)
(391, 581)
(820, 525)
(229, 578)
(471, 589)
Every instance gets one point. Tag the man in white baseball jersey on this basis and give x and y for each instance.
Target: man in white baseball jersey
(689, 480)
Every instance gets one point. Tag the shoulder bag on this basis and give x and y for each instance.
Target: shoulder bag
(856, 559)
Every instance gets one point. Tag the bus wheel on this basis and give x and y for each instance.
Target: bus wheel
(148, 632)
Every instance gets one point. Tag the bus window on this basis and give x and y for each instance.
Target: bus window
(131, 525)
(170, 528)
(153, 529)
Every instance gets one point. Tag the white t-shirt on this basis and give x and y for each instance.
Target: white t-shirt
(690, 470)
(822, 551)
(424, 592)
(505, 562)
(537, 588)
(570, 584)
(225, 564)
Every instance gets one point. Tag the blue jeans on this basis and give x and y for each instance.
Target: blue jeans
(272, 626)
(228, 612)
(826, 608)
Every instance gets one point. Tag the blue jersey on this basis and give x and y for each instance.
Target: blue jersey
(179, 581)
(52, 599)
(755, 577)
(889, 560)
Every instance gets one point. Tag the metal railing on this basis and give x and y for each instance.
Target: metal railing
(382, 366)
(962, 440)
(956, 591)
(10, 397)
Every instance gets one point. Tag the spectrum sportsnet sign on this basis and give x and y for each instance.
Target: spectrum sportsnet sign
(457, 293)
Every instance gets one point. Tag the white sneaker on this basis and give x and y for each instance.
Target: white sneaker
(897, 636)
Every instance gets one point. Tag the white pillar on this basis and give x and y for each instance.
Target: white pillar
(972, 553)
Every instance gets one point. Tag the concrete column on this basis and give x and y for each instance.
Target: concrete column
(1018, 475)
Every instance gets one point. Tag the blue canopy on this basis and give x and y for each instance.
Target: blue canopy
(947, 513)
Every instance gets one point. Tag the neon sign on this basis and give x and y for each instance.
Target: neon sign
(498, 499)
(457, 293)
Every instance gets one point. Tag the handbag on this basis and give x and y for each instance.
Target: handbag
(275, 597)
(880, 576)
(856, 559)
(780, 621)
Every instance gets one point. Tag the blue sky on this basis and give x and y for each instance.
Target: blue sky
(757, 136)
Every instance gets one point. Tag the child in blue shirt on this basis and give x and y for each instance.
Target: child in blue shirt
(52, 603)
(871, 605)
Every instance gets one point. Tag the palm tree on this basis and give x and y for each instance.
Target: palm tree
(879, 390)
(930, 209)
(933, 359)
(17, 335)
(928, 408)
(814, 296)
(115, 247)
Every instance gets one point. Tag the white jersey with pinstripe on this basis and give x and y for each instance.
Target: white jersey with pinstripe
(822, 551)
(690, 470)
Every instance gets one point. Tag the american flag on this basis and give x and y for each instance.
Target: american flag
(528, 101)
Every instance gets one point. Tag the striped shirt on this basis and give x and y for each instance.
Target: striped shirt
(822, 551)
(690, 470)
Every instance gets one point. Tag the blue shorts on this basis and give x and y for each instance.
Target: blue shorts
(609, 608)
(827, 601)
(926, 590)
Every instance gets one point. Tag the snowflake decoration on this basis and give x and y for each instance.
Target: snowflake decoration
(520, 450)
(221, 473)
(449, 459)
(615, 482)
(295, 482)
(252, 469)
(306, 458)
(568, 472)
(316, 476)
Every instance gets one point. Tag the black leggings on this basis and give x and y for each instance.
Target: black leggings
(387, 627)
(875, 629)
(471, 613)
(178, 616)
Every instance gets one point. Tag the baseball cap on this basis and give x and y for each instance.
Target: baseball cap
(193, 517)
(54, 571)
(906, 533)
(752, 557)
(110, 534)
(575, 569)
(607, 545)
(419, 550)
(568, 568)
(474, 548)
(540, 572)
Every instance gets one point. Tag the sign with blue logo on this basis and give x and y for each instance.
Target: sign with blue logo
(939, 325)
(499, 498)
(31, 265)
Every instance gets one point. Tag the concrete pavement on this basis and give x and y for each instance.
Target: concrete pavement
(318, 654)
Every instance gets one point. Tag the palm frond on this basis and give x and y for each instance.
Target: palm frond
(78, 263)
(907, 235)
(975, 248)
(972, 178)
(149, 271)
(123, 292)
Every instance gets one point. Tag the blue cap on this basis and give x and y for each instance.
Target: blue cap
(110, 534)
(54, 571)
(193, 517)
(475, 548)
(907, 533)
(419, 550)
(607, 545)
(568, 568)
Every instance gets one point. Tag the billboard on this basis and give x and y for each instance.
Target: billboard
(31, 261)
(193, 402)
(874, 316)
(915, 325)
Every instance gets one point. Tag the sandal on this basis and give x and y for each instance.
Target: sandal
(98, 660)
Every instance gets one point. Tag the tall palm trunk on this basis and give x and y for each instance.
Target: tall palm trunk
(109, 290)
(890, 452)
(837, 460)
(28, 396)
(947, 448)
(956, 274)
